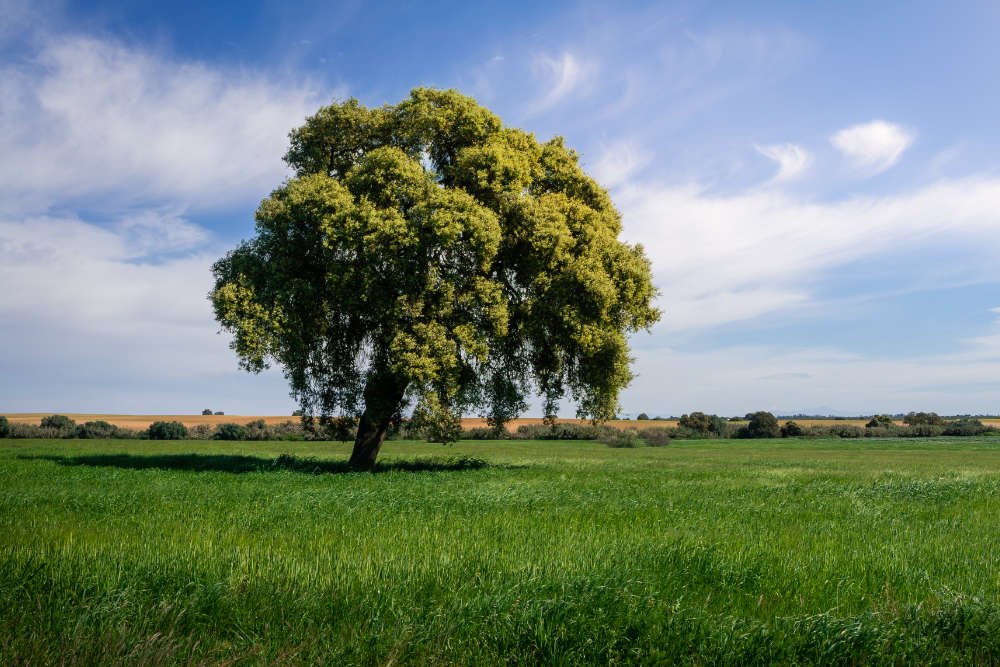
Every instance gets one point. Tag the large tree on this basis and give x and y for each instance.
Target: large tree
(424, 254)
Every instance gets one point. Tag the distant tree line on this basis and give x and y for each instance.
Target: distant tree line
(693, 426)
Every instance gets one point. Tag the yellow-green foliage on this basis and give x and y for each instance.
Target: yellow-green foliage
(427, 245)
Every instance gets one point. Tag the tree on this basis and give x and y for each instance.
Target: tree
(920, 418)
(58, 422)
(880, 421)
(642, 416)
(424, 254)
(763, 425)
(206, 411)
(167, 431)
(791, 429)
(696, 421)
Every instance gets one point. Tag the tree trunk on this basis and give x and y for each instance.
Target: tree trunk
(383, 394)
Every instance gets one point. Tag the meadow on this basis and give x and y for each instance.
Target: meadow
(723, 552)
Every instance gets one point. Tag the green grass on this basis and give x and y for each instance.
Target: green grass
(727, 552)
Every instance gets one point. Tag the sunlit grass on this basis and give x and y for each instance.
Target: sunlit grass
(707, 551)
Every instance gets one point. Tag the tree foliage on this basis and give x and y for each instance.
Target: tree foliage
(425, 252)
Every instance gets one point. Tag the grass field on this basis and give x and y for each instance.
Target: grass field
(727, 552)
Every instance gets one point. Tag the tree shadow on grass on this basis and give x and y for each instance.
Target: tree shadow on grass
(239, 464)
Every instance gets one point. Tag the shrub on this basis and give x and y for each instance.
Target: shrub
(965, 427)
(656, 436)
(58, 423)
(229, 431)
(484, 434)
(881, 421)
(623, 438)
(167, 431)
(643, 416)
(762, 425)
(922, 431)
(98, 430)
(257, 430)
(921, 418)
(696, 421)
(220, 412)
(4, 427)
(558, 432)
(894, 431)
(200, 432)
(847, 431)
(791, 429)
(206, 411)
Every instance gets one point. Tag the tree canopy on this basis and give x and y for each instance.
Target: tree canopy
(423, 253)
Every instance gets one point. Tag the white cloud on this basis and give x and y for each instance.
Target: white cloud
(721, 259)
(792, 160)
(91, 118)
(618, 162)
(562, 77)
(91, 322)
(873, 146)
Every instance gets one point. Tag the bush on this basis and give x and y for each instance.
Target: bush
(220, 412)
(623, 438)
(58, 423)
(558, 432)
(881, 421)
(200, 432)
(4, 427)
(655, 437)
(922, 431)
(98, 430)
(922, 418)
(698, 422)
(481, 433)
(230, 432)
(167, 431)
(847, 431)
(965, 427)
(762, 425)
(643, 416)
(893, 431)
(791, 429)
(206, 411)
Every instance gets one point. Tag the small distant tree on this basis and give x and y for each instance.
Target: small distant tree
(923, 418)
(95, 430)
(206, 411)
(763, 425)
(220, 412)
(880, 421)
(58, 422)
(643, 416)
(791, 429)
(696, 421)
(167, 431)
(4, 427)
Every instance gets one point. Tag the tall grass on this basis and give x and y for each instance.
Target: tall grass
(500, 552)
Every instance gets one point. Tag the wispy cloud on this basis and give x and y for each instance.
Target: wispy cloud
(874, 146)
(720, 259)
(793, 160)
(561, 77)
(618, 162)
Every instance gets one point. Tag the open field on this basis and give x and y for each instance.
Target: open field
(727, 552)
(143, 421)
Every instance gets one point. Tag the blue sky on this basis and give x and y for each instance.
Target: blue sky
(818, 187)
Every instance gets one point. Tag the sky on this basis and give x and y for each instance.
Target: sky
(817, 185)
